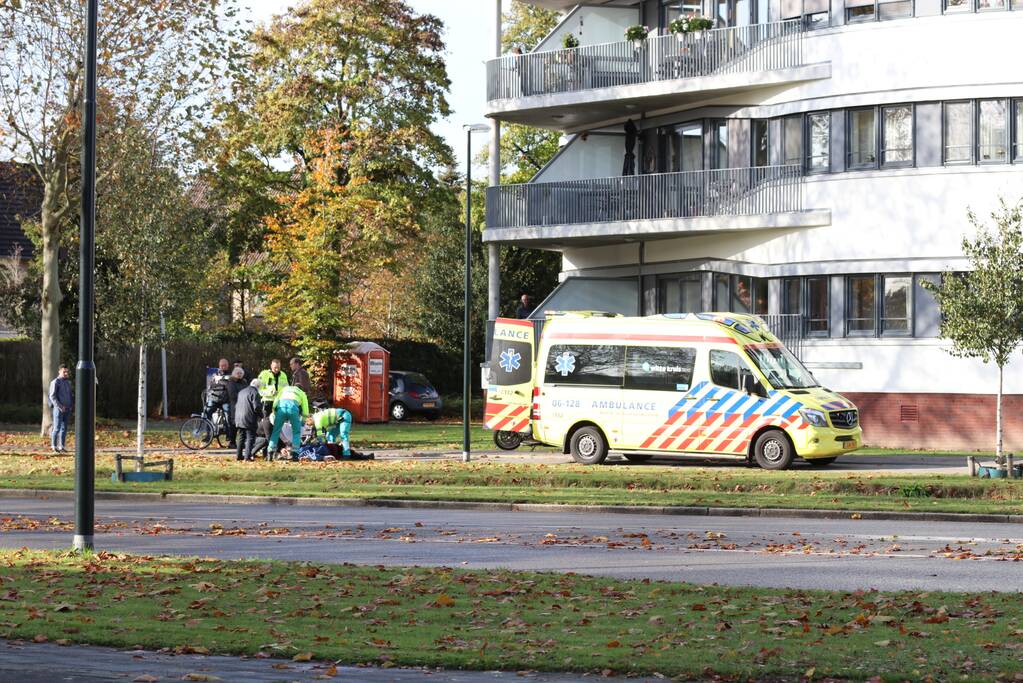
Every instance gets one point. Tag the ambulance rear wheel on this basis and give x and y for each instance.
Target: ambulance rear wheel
(773, 451)
(507, 441)
(588, 446)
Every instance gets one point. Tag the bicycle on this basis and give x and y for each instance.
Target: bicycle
(199, 431)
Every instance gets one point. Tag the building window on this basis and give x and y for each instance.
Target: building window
(818, 152)
(993, 125)
(740, 294)
(859, 10)
(894, 9)
(685, 148)
(792, 140)
(897, 304)
(881, 10)
(897, 136)
(761, 142)
(861, 305)
(957, 6)
(719, 157)
(683, 294)
(808, 297)
(958, 132)
(862, 135)
(1018, 130)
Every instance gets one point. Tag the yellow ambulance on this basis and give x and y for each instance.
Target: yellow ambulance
(716, 384)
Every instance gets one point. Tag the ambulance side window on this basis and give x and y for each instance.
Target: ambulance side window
(650, 368)
(583, 364)
(726, 369)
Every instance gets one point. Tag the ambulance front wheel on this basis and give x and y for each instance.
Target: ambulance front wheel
(773, 451)
(588, 446)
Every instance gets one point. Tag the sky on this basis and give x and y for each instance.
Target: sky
(468, 39)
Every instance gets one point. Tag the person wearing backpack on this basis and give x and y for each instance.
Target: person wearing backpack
(291, 405)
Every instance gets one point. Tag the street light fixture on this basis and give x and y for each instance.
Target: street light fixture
(85, 373)
(466, 369)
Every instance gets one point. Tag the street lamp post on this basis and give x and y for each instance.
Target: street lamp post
(466, 365)
(85, 374)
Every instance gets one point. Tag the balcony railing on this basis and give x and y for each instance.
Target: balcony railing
(738, 49)
(690, 194)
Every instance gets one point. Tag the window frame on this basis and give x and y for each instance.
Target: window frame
(876, 15)
(849, 332)
(909, 331)
(808, 144)
(554, 381)
(883, 141)
(796, 119)
(766, 123)
(862, 166)
(1016, 133)
(879, 318)
(973, 133)
(977, 109)
(803, 303)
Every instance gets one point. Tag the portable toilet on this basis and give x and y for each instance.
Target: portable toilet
(361, 381)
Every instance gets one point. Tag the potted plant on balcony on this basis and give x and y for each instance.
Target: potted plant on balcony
(637, 34)
(569, 41)
(690, 23)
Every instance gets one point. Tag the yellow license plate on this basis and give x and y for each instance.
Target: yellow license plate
(429, 405)
(848, 445)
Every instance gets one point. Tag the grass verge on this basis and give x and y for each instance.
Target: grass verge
(503, 620)
(404, 435)
(539, 483)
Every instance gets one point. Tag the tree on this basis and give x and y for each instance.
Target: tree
(150, 247)
(526, 25)
(155, 56)
(982, 309)
(346, 92)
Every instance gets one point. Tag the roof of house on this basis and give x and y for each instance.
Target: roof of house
(21, 194)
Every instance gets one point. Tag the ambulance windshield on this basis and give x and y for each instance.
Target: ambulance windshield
(781, 368)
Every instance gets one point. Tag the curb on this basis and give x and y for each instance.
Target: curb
(668, 510)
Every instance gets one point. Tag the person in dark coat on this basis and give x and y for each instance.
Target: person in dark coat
(631, 135)
(248, 409)
(235, 384)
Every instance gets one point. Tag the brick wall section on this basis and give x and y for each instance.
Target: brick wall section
(942, 421)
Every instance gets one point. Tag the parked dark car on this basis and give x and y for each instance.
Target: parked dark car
(412, 394)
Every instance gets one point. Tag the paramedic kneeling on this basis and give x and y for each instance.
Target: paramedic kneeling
(336, 425)
(291, 405)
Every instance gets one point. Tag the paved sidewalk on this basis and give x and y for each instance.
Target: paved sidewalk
(48, 663)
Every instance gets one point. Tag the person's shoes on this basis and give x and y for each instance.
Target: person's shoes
(232, 445)
(248, 459)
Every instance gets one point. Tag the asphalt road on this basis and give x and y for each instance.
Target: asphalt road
(47, 663)
(843, 554)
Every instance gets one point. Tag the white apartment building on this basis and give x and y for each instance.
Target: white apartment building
(812, 161)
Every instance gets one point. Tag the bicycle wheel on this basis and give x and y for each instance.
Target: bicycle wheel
(196, 433)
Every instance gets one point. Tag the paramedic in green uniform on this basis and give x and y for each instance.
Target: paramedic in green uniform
(291, 405)
(336, 425)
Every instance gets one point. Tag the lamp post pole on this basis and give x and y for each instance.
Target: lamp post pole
(466, 369)
(85, 374)
(466, 355)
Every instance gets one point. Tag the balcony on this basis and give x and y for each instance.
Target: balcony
(612, 80)
(612, 210)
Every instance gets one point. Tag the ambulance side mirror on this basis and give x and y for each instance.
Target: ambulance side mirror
(751, 385)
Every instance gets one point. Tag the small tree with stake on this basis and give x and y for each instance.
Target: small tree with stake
(982, 309)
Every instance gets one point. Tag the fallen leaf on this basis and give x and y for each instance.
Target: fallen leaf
(303, 657)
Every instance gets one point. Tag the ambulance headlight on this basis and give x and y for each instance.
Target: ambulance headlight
(814, 417)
